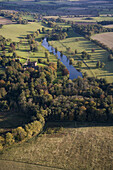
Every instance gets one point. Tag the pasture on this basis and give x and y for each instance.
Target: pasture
(17, 33)
(75, 41)
(105, 38)
(86, 146)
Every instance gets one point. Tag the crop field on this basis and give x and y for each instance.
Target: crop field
(75, 41)
(105, 38)
(82, 147)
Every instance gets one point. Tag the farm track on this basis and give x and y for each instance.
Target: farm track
(37, 165)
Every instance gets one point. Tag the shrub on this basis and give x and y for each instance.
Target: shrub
(19, 133)
(9, 139)
(33, 128)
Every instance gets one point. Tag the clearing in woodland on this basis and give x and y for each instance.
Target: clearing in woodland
(11, 120)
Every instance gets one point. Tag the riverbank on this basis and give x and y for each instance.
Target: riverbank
(75, 41)
(72, 71)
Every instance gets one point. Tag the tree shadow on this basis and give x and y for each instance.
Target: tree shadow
(75, 124)
(24, 50)
(11, 120)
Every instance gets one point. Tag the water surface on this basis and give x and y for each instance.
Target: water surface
(73, 73)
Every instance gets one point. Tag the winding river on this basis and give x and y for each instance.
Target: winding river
(72, 71)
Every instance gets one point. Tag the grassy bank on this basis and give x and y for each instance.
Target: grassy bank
(75, 41)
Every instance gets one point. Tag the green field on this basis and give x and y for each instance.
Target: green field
(28, 17)
(18, 32)
(75, 41)
(83, 147)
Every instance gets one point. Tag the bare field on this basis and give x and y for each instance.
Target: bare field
(73, 148)
(5, 21)
(105, 38)
(108, 26)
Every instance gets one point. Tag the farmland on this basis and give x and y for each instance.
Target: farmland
(66, 149)
(48, 121)
(81, 19)
(108, 26)
(18, 32)
(61, 7)
(105, 38)
(84, 44)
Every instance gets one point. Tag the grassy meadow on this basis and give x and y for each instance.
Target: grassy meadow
(76, 41)
(85, 146)
(18, 32)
